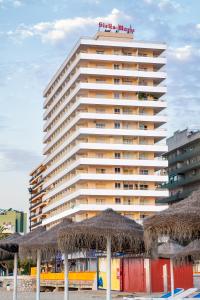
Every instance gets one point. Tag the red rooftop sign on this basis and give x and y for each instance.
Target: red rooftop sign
(109, 27)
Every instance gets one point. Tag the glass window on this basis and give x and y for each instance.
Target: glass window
(117, 200)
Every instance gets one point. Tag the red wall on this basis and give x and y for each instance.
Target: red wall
(183, 276)
(134, 275)
(157, 274)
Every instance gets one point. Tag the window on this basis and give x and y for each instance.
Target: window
(143, 127)
(128, 186)
(128, 141)
(143, 141)
(117, 155)
(127, 53)
(116, 51)
(117, 125)
(100, 80)
(143, 187)
(128, 201)
(117, 185)
(101, 171)
(127, 111)
(127, 155)
(100, 110)
(143, 201)
(117, 200)
(100, 201)
(117, 111)
(116, 67)
(100, 125)
(117, 170)
(116, 95)
(144, 172)
(99, 155)
(116, 81)
(100, 95)
(100, 51)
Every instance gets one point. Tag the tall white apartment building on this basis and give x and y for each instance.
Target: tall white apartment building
(103, 129)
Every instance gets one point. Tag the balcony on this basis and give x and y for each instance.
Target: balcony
(185, 168)
(175, 198)
(182, 182)
(36, 224)
(184, 156)
(37, 194)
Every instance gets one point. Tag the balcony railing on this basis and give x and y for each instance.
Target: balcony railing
(185, 168)
(184, 156)
(36, 224)
(180, 182)
(35, 195)
(36, 204)
(176, 197)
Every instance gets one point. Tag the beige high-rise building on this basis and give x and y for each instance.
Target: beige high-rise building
(103, 129)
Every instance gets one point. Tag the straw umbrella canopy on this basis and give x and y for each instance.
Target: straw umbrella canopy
(45, 245)
(169, 249)
(5, 255)
(11, 243)
(108, 231)
(45, 241)
(189, 253)
(92, 233)
(181, 221)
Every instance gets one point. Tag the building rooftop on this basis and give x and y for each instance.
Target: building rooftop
(4, 211)
(181, 138)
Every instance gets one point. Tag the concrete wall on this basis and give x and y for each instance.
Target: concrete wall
(25, 283)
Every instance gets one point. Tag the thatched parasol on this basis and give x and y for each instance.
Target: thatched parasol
(11, 244)
(5, 255)
(92, 233)
(45, 245)
(46, 241)
(109, 230)
(169, 249)
(189, 253)
(181, 221)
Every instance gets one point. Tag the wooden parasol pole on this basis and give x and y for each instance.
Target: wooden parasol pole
(108, 291)
(66, 273)
(38, 274)
(15, 277)
(172, 277)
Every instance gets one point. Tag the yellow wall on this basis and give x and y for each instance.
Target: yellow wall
(60, 276)
(115, 271)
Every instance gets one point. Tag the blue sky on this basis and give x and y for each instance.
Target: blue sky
(35, 38)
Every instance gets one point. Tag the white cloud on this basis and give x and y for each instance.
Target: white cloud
(184, 53)
(15, 3)
(164, 5)
(58, 30)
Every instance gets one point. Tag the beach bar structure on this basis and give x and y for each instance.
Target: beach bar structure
(138, 275)
(108, 231)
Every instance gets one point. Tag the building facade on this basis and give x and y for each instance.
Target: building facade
(36, 202)
(13, 221)
(184, 165)
(103, 130)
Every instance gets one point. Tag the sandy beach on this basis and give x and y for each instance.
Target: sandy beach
(74, 295)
